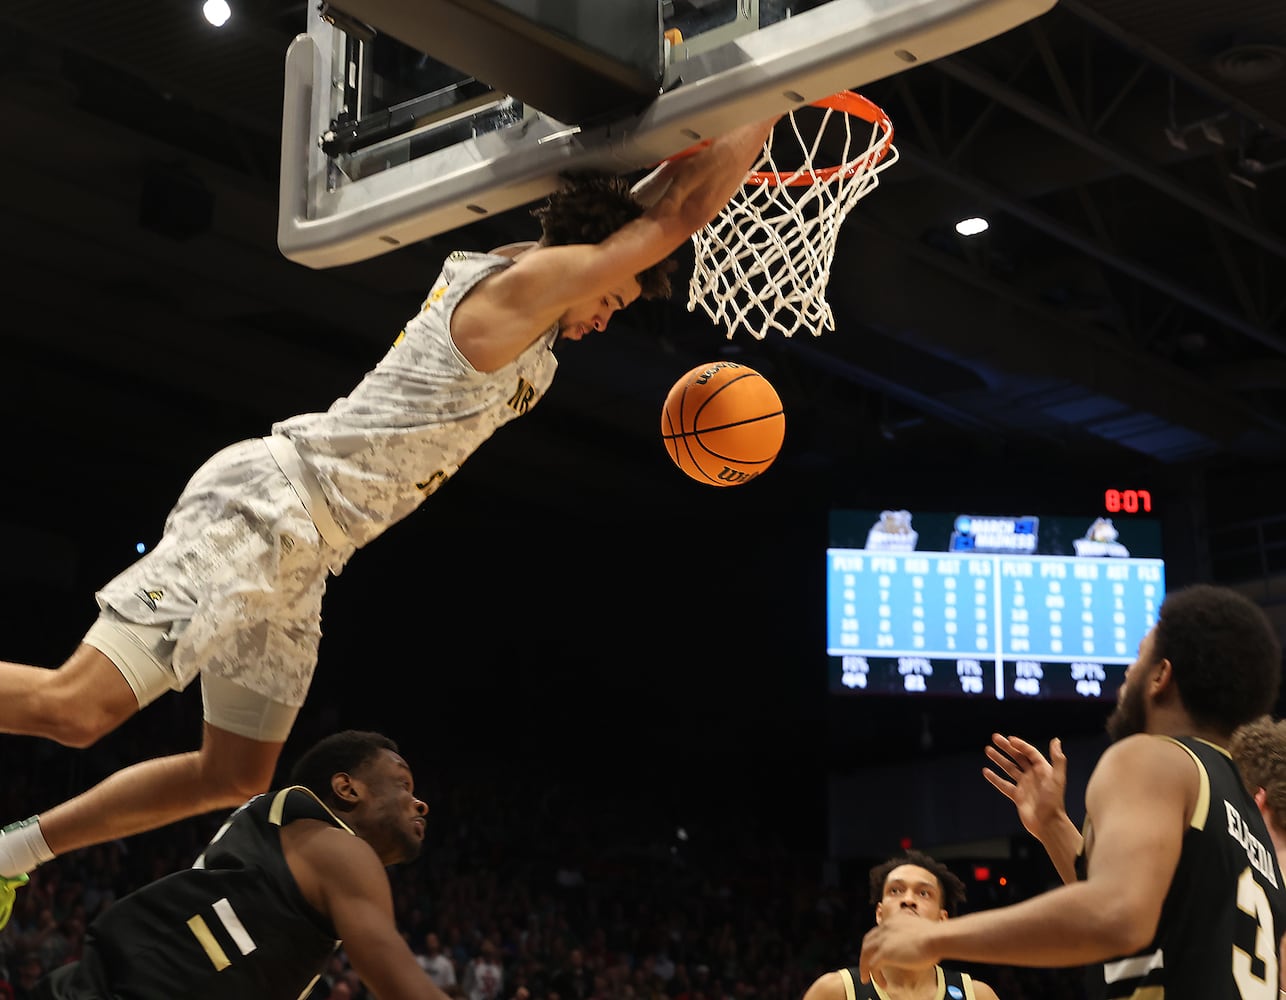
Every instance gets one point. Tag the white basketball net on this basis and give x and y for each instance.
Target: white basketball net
(763, 263)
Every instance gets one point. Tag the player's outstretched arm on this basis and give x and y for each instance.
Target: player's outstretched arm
(348, 876)
(1140, 800)
(501, 317)
(696, 187)
(1037, 787)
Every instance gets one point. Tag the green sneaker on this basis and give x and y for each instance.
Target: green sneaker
(8, 887)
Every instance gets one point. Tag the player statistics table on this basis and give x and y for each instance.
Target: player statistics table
(987, 625)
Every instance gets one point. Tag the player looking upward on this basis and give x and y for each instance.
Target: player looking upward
(914, 885)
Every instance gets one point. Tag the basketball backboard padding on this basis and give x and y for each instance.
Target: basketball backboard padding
(839, 45)
(575, 60)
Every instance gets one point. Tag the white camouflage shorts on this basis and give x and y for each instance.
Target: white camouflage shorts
(236, 581)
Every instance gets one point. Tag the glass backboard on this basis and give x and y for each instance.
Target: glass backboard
(396, 130)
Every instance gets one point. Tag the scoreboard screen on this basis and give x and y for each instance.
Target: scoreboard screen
(978, 604)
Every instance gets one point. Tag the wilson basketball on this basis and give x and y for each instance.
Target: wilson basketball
(723, 423)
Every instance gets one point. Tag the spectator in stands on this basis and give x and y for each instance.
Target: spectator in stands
(484, 977)
(436, 965)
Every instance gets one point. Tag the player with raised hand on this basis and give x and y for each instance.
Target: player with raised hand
(1037, 786)
(1182, 895)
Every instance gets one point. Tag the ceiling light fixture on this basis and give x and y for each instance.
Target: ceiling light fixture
(972, 226)
(1250, 62)
(216, 12)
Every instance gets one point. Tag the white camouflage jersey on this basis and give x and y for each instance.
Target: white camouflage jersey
(412, 421)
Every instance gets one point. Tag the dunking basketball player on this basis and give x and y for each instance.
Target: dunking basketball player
(912, 884)
(292, 875)
(233, 590)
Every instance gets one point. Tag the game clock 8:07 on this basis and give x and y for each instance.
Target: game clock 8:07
(1127, 501)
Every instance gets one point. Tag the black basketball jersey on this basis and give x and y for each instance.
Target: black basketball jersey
(952, 985)
(234, 926)
(1226, 907)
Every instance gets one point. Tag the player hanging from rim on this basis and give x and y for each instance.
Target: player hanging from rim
(233, 590)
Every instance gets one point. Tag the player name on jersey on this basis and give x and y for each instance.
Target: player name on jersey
(1255, 850)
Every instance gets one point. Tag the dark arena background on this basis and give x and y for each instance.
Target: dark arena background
(613, 683)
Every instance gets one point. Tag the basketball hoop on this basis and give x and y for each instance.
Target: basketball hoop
(763, 263)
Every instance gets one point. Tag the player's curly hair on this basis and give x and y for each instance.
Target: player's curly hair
(1226, 656)
(342, 752)
(949, 884)
(1259, 748)
(588, 208)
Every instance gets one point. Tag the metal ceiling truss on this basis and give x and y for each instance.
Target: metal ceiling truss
(1180, 399)
(1243, 294)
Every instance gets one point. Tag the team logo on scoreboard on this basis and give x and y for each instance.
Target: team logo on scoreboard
(1101, 540)
(892, 533)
